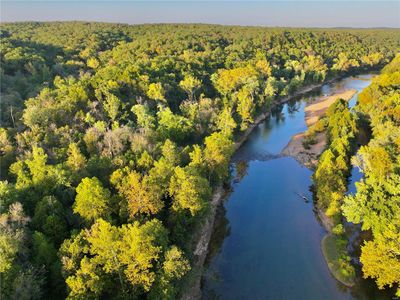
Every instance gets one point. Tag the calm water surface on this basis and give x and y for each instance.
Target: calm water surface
(266, 243)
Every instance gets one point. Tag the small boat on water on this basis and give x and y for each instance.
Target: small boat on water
(302, 197)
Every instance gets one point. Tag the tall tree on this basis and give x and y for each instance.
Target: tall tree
(189, 190)
(190, 84)
(92, 200)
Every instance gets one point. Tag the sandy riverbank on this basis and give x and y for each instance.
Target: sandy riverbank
(313, 111)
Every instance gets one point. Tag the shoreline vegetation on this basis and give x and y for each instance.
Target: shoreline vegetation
(330, 177)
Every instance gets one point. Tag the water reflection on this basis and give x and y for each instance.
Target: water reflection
(240, 170)
(220, 232)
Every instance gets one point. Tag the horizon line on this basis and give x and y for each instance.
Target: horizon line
(192, 23)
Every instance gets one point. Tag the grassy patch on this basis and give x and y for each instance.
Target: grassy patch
(335, 253)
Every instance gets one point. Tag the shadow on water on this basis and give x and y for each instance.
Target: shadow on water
(220, 232)
(221, 229)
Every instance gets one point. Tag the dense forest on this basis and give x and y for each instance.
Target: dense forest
(113, 138)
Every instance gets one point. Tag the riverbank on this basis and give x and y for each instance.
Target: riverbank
(202, 237)
(313, 112)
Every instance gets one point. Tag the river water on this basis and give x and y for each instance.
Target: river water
(266, 242)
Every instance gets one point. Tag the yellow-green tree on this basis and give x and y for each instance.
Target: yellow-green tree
(138, 192)
(92, 200)
(189, 190)
(76, 161)
(217, 152)
(156, 92)
(190, 85)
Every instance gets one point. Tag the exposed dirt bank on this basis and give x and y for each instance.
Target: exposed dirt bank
(313, 111)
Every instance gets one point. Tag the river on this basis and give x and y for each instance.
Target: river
(266, 241)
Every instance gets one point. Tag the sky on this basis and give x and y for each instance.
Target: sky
(298, 13)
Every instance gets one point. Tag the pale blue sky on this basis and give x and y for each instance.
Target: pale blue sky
(298, 13)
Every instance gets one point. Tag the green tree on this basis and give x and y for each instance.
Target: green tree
(145, 161)
(141, 247)
(92, 200)
(380, 259)
(76, 161)
(245, 107)
(13, 236)
(172, 126)
(190, 84)
(7, 152)
(49, 218)
(143, 116)
(189, 190)
(129, 252)
(217, 152)
(156, 92)
(174, 267)
(113, 107)
(137, 191)
(343, 63)
(45, 254)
